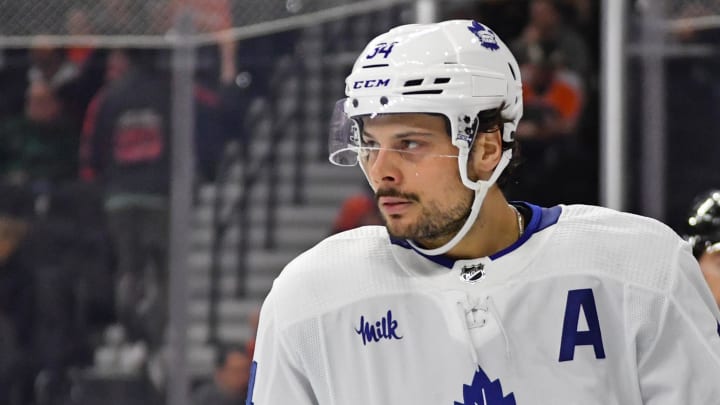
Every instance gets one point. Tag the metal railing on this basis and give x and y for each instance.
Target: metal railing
(255, 170)
(294, 107)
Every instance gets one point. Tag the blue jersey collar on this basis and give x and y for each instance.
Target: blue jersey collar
(541, 219)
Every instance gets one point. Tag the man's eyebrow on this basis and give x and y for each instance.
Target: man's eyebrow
(401, 135)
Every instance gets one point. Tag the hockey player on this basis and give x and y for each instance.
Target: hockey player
(463, 297)
(704, 235)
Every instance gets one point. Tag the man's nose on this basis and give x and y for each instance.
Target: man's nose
(385, 168)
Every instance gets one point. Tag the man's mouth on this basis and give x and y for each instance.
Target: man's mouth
(393, 205)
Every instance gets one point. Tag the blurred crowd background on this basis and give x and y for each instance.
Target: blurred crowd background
(86, 137)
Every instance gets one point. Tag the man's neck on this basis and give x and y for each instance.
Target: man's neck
(495, 229)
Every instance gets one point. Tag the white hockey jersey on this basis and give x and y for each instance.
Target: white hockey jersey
(590, 306)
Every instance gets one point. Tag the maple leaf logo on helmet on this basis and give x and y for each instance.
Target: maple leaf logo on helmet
(485, 35)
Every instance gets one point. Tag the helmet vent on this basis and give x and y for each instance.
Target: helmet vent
(512, 71)
(376, 66)
(415, 82)
(441, 80)
(422, 92)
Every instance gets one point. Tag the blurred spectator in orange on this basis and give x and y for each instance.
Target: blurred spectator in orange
(357, 210)
(553, 98)
(556, 165)
(547, 32)
(230, 381)
(40, 147)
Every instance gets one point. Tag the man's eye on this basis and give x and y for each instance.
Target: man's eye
(369, 143)
(408, 144)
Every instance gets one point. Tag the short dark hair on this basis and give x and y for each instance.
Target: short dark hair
(490, 121)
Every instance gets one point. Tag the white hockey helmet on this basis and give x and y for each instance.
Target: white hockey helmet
(454, 68)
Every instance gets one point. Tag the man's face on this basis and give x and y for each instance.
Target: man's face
(710, 265)
(415, 176)
(543, 15)
(41, 105)
(117, 64)
(43, 55)
(234, 376)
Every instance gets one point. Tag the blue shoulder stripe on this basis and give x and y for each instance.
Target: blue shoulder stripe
(541, 219)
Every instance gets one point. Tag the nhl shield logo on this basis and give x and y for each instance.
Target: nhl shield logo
(472, 273)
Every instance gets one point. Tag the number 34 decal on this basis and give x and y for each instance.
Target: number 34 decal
(383, 48)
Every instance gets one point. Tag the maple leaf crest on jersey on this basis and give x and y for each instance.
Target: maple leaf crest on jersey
(482, 391)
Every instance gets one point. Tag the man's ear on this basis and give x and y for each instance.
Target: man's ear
(485, 155)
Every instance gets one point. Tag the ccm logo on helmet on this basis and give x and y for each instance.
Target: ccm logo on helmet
(360, 84)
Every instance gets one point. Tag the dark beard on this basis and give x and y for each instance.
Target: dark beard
(434, 224)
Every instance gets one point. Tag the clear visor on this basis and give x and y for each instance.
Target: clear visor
(344, 140)
(348, 146)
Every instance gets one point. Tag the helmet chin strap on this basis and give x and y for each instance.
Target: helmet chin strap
(481, 188)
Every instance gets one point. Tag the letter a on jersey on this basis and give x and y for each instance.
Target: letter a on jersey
(578, 300)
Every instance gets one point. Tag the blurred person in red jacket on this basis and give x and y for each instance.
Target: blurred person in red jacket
(357, 210)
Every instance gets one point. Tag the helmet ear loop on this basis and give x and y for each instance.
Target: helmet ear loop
(508, 139)
(465, 146)
(508, 133)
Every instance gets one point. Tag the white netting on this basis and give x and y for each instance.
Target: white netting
(697, 14)
(692, 8)
(151, 23)
(69, 17)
